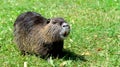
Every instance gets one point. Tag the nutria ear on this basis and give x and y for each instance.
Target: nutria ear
(48, 21)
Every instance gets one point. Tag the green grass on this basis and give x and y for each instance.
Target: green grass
(95, 32)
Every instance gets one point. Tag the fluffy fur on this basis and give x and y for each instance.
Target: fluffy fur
(35, 34)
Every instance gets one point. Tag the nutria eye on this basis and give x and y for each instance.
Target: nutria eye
(48, 21)
(61, 23)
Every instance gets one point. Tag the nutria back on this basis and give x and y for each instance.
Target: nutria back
(35, 34)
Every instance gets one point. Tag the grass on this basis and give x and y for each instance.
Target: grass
(95, 32)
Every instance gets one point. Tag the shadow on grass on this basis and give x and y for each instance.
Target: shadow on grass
(65, 55)
(68, 55)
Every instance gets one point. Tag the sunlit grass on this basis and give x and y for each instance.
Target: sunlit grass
(95, 32)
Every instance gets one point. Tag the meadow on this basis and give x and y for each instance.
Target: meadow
(94, 40)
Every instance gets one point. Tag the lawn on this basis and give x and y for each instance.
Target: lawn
(94, 40)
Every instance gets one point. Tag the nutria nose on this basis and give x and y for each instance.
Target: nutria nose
(65, 25)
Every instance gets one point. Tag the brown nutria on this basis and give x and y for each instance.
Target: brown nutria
(36, 34)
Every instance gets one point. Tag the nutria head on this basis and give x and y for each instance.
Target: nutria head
(57, 29)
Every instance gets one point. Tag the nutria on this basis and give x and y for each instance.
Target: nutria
(35, 34)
